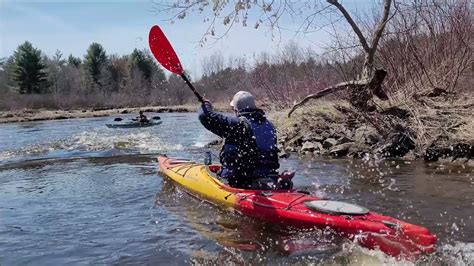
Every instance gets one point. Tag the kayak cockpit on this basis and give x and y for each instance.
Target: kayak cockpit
(281, 182)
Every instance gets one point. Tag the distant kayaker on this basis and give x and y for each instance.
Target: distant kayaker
(250, 150)
(142, 118)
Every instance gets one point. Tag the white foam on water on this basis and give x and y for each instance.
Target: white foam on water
(5, 155)
(459, 253)
(357, 255)
(144, 141)
(199, 144)
(33, 149)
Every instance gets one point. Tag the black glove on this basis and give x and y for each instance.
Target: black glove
(207, 106)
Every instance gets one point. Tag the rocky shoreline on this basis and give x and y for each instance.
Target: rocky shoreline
(327, 129)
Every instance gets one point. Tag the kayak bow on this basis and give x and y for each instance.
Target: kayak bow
(298, 210)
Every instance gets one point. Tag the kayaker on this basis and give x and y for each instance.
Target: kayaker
(142, 118)
(250, 152)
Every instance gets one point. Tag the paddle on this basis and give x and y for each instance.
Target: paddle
(165, 54)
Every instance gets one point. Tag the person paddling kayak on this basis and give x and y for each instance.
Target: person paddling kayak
(250, 152)
(142, 118)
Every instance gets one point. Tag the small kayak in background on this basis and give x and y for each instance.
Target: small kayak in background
(134, 124)
(299, 210)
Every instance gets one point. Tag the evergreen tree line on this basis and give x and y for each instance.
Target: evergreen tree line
(97, 80)
(28, 71)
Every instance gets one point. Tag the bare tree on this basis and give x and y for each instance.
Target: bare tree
(270, 13)
(213, 64)
(180, 94)
(428, 46)
(371, 79)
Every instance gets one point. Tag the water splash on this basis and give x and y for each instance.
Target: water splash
(353, 254)
(144, 141)
(458, 254)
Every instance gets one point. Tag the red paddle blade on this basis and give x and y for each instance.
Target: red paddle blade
(163, 51)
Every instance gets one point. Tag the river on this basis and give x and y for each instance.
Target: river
(77, 192)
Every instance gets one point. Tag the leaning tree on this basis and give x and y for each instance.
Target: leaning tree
(370, 81)
(269, 13)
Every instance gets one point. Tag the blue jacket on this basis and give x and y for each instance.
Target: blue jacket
(250, 142)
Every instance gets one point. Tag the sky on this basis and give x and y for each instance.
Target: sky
(121, 26)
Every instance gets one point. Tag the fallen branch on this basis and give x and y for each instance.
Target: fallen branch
(373, 85)
(326, 91)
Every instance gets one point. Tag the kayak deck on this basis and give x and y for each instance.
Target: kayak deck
(289, 208)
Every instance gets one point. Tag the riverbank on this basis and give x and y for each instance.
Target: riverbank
(44, 114)
(26, 115)
(440, 130)
(432, 129)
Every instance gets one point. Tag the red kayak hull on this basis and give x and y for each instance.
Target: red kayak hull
(287, 209)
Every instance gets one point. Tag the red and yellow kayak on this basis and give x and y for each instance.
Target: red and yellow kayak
(294, 209)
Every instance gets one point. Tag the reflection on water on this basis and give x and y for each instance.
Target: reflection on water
(74, 191)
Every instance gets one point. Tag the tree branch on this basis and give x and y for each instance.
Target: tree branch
(374, 84)
(335, 88)
(354, 26)
(381, 27)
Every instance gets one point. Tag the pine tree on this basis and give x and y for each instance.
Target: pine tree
(139, 60)
(29, 69)
(74, 61)
(95, 62)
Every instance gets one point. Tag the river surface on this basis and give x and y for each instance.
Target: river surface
(77, 192)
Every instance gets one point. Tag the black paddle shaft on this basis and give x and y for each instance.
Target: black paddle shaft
(192, 88)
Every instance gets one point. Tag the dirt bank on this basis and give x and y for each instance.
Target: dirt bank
(432, 129)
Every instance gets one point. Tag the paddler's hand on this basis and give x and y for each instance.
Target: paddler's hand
(207, 106)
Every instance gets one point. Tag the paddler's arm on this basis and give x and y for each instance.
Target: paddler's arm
(217, 123)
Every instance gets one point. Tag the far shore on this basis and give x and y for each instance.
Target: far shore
(28, 115)
(44, 114)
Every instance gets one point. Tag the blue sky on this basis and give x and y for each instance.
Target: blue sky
(121, 26)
